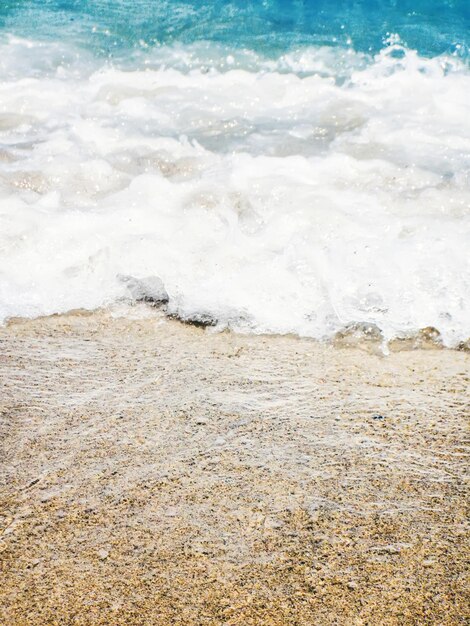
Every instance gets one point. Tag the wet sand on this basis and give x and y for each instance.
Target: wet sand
(154, 473)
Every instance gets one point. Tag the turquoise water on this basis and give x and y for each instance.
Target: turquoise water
(113, 27)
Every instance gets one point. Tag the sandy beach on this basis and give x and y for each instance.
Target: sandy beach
(156, 473)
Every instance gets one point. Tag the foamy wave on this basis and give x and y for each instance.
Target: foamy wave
(290, 195)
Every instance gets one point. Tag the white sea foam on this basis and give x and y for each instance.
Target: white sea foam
(297, 194)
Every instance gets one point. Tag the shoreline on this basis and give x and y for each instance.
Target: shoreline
(157, 473)
(357, 335)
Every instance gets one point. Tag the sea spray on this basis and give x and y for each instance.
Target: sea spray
(279, 188)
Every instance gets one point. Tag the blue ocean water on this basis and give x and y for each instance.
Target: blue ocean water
(113, 27)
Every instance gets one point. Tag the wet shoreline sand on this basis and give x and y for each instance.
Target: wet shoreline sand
(157, 473)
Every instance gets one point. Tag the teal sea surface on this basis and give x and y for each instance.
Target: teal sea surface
(113, 27)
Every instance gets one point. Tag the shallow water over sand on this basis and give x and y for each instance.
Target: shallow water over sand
(154, 472)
